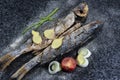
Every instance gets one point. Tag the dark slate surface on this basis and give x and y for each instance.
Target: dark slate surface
(105, 59)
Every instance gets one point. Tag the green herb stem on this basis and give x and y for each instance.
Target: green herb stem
(42, 21)
(52, 13)
(29, 27)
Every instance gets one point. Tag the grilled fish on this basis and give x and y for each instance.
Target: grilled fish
(75, 38)
(78, 14)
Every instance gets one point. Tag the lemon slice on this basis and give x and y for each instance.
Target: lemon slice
(57, 43)
(49, 34)
(54, 67)
(85, 52)
(36, 37)
(83, 62)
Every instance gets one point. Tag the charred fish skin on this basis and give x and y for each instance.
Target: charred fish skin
(78, 37)
(59, 29)
(29, 65)
(71, 41)
(19, 74)
(9, 57)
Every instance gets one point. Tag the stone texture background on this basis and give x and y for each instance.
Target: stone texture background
(105, 59)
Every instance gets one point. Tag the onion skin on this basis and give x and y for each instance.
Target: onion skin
(68, 64)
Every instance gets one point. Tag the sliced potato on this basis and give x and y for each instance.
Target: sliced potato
(49, 34)
(36, 37)
(57, 43)
(85, 52)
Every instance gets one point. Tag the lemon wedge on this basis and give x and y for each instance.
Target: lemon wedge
(36, 37)
(49, 34)
(57, 43)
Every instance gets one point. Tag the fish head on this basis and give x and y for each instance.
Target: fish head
(81, 10)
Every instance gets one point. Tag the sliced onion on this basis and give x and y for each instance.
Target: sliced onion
(85, 64)
(85, 52)
(82, 61)
(54, 67)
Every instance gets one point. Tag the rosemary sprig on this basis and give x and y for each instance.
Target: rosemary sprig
(41, 21)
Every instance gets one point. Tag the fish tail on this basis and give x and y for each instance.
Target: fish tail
(9, 57)
(19, 74)
(5, 61)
